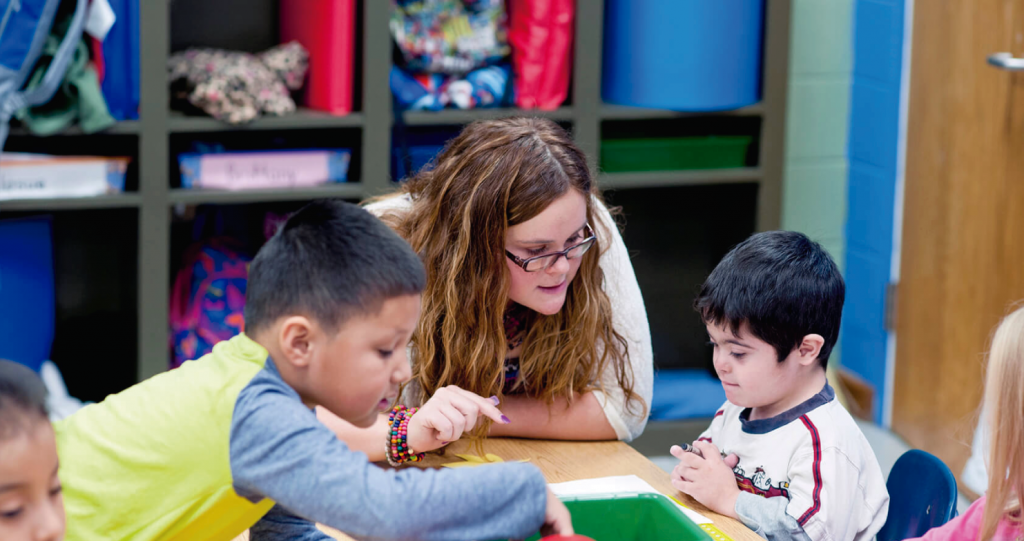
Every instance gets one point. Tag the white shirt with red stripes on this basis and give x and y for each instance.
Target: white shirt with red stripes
(814, 456)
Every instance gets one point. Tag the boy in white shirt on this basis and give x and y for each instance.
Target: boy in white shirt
(782, 455)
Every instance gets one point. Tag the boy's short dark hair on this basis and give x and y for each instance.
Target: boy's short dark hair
(331, 260)
(22, 399)
(783, 285)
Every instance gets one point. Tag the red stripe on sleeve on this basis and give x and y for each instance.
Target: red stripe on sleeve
(816, 469)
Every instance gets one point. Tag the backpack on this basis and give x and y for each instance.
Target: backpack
(207, 300)
(24, 27)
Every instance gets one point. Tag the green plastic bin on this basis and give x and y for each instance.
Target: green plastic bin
(638, 517)
(674, 154)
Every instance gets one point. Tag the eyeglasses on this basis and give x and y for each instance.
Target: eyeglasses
(545, 261)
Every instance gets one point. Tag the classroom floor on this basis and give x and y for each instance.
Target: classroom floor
(661, 435)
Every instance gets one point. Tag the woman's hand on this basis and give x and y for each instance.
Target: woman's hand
(447, 415)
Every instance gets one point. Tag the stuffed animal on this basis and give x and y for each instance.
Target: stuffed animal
(238, 87)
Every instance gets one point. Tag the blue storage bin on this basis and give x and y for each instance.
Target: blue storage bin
(26, 291)
(684, 55)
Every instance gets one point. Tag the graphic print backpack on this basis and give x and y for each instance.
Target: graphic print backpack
(208, 299)
(24, 27)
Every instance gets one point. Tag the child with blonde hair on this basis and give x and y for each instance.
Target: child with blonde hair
(996, 516)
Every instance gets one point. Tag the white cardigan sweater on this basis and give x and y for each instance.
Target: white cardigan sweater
(628, 316)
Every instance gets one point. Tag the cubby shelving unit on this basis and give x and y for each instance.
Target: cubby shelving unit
(586, 112)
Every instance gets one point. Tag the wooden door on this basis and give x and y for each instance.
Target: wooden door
(962, 262)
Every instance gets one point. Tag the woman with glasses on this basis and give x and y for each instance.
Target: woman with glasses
(530, 293)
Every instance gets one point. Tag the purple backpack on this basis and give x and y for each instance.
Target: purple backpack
(207, 300)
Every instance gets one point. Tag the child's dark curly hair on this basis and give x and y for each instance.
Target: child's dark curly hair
(22, 399)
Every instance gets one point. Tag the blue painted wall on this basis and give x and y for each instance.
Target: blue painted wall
(874, 132)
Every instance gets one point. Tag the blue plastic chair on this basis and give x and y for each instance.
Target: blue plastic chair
(922, 496)
(685, 394)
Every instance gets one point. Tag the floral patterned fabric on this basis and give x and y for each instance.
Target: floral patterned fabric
(237, 87)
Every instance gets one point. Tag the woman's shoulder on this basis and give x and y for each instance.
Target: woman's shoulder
(605, 226)
(400, 202)
(599, 205)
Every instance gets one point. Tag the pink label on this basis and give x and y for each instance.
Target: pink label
(263, 170)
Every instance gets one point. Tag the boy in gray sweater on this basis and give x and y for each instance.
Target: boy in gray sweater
(207, 450)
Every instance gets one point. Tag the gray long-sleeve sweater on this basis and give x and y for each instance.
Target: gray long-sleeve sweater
(280, 451)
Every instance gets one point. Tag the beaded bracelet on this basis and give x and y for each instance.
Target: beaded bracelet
(397, 447)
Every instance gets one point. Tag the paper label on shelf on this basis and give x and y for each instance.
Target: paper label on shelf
(256, 170)
(41, 177)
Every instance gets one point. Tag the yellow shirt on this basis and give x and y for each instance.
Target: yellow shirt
(152, 462)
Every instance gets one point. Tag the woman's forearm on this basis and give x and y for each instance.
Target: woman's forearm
(368, 440)
(534, 418)
(531, 418)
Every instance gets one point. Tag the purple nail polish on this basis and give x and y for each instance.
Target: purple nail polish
(444, 443)
(505, 420)
(494, 399)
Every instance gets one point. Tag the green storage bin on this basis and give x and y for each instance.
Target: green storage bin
(673, 154)
(638, 517)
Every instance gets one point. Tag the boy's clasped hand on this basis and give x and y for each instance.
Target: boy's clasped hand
(707, 477)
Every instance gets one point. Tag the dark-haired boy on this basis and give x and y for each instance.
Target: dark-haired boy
(206, 450)
(782, 455)
(31, 504)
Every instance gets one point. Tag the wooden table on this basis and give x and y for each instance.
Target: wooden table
(568, 461)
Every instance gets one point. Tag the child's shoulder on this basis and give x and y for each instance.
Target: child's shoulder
(834, 422)
(824, 426)
(834, 428)
(196, 393)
